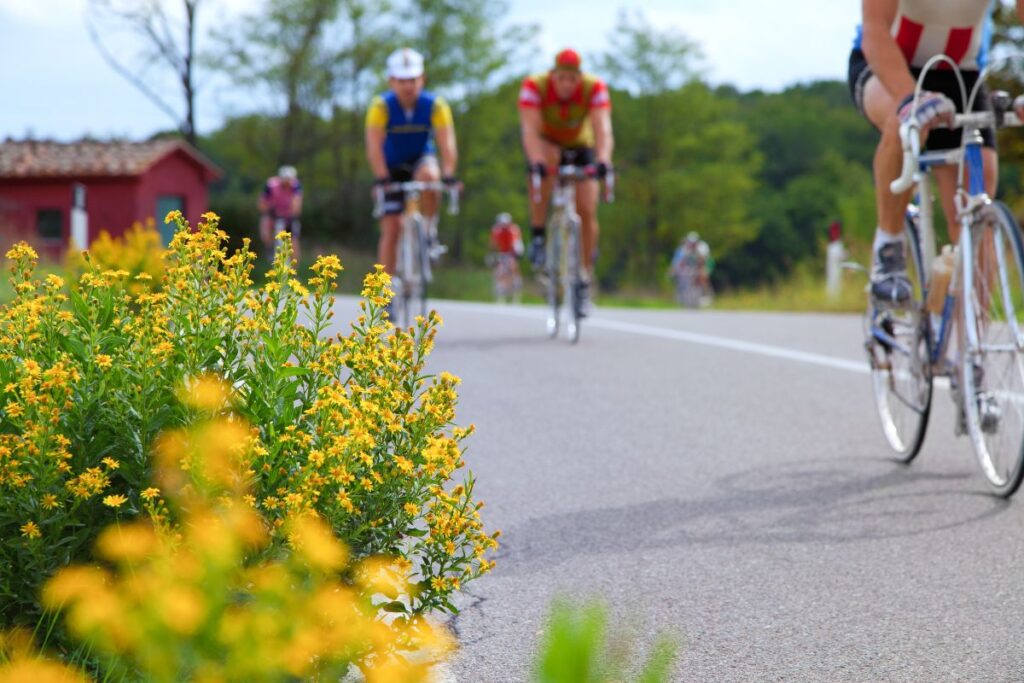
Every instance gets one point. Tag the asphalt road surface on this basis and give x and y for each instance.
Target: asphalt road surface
(722, 477)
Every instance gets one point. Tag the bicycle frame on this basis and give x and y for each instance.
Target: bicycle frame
(413, 267)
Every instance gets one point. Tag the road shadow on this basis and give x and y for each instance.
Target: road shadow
(446, 343)
(803, 502)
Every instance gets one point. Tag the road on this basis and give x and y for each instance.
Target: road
(722, 477)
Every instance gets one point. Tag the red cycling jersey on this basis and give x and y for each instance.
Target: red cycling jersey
(504, 238)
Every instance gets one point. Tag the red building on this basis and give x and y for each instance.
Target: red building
(42, 183)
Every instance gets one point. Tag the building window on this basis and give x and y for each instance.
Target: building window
(166, 203)
(50, 226)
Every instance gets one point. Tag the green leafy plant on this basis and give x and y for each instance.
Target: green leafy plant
(578, 648)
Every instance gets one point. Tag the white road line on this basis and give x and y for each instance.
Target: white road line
(689, 337)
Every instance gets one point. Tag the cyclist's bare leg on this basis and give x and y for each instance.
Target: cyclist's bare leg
(945, 179)
(539, 210)
(586, 206)
(387, 246)
(428, 172)
(880, 107)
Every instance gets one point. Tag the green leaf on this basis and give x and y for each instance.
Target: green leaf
(395, 606)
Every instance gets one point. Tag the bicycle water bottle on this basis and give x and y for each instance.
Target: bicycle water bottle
(942, 271)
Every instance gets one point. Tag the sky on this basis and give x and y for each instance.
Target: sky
(56, 85)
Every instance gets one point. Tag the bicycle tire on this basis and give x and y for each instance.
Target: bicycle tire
(407, 267)
(551, 266)
(573, 280)
(902, 377)
(991, 372)
(423, 260)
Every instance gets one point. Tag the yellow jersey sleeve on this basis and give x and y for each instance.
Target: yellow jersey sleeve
(377, 113)
(441, 117)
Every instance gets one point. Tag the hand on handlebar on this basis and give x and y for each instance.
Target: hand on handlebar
(932, 108)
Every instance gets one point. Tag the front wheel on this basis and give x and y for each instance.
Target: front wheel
(552, 263)
(992, 372)
(898, 346)
(573, 281)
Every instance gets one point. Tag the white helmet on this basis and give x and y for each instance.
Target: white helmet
(287, 173)
(503, 218)
(405, 63)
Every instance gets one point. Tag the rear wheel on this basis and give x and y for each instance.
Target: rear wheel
(992, 373)
(899, 352)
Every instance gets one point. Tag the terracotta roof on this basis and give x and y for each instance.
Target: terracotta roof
(38, 158)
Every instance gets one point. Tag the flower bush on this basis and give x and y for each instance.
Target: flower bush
(189, 603)
(139, 252)
(349, 428)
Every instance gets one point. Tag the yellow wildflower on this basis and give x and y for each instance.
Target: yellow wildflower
(115, 501)
(30, 530)
(104, 361)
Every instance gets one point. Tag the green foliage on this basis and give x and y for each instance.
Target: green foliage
(759, 175)
(578, 648)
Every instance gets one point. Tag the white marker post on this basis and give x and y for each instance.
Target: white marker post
(79, 218)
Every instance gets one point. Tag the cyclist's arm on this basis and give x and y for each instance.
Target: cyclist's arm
(264, 200)
(604, 141)
(297, 200)
(883, 54)
(376, 133)
(444, 136)
(531, 123)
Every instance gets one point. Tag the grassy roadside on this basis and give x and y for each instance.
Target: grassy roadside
(803, 291)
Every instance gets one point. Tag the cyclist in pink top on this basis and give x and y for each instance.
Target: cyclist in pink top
(280, 207)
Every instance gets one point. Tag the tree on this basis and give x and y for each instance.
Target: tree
(467, 47)
(163, 39)
(279, 52)
(686, 163)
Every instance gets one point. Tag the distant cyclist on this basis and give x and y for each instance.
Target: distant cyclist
(691, 269)
(565, 116)
(506, 248)
(895, 40)
(280, 206)
(406, 127)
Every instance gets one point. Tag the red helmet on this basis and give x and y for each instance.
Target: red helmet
(568, 59)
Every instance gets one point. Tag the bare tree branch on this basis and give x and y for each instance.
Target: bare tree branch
(148, 21)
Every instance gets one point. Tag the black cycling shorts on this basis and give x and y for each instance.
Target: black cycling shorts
(576, 156)
(394, 202)
(938, 80)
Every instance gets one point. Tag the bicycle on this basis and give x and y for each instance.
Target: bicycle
(277, 225)
(508, 283)
(413, 267)
(563, 266)
(908, 347)
(689, 292)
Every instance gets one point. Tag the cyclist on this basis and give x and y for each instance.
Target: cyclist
(281, 199)
(565, 117)
(692, 259)
(507, 248)
(506, 237)
(403, 125)
(895, 39)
